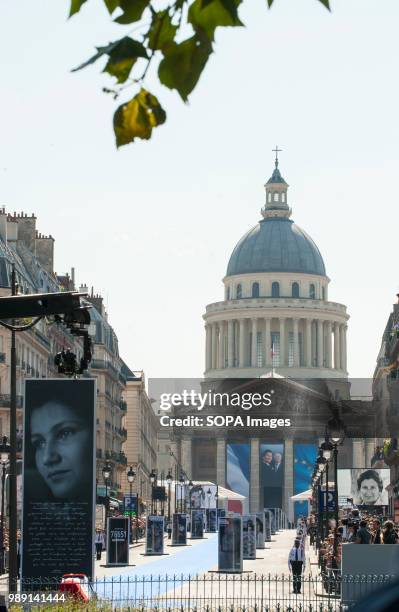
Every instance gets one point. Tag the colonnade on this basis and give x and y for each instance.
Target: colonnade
(279, 341)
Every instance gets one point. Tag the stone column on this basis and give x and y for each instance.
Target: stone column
(337, 362)
(288, 473)
(268, 357)
(254, 485)
(221, 462)
(319, 343)
(282, 342)
(230, 343)
(253, 345)
(186, 457)
(214, 351)
(296, 342)
(221, 346)
(342, 334)
(329, 344)
(208, 360)
(358, 453)
(308, 343)
(241, 351)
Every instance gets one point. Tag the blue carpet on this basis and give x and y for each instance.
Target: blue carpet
(145, 584)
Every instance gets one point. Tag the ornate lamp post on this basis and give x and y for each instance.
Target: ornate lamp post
(182, 483)
(169, 480)
(321, 462)
(107, 470)
(153, 478)
(5, 450)
(131, 475)
(336, 433)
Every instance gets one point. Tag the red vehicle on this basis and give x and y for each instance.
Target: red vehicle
(77, 586)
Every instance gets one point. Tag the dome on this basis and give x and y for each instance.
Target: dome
(276, 244)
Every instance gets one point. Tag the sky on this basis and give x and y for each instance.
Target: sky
(152, 225)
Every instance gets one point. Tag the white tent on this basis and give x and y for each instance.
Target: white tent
(305, 496)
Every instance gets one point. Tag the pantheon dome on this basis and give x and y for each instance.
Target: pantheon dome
(276, 315)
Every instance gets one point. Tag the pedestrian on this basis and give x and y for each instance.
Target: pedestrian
(99, 542)
(390, 536)
(169, 529)
(296, 564)
(363, 535)
(377, 537)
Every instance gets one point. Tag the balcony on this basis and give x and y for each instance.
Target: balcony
(5, 400)
(272, 303)
(123, 405)
(117, 457)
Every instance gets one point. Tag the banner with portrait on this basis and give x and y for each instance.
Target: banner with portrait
(365, 486)
(230, 545)
(155, 527)
(58, 521)
(179, 529)
(272, 474)
(118, 530)
(197, 524)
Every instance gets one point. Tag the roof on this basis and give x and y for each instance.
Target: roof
(276, 244)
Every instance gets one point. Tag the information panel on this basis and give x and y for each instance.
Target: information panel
(154, 535)
(272, 512)
(260, 530)
(58, 477)
(197, 524)
(118, 529)
(211, 520)
(179, 529)
(268, 521)
(249, 536)
(230, 545)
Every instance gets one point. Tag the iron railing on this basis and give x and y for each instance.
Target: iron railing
(216, 592)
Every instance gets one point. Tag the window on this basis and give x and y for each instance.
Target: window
(275, 290)
(269, 197)
(295, 290)
(239, 292)
(283, 197)
(275, 350)
(312, 291)
(228, 293)
(259, 350)
(323, 293)
(275, 196)
(255, 290)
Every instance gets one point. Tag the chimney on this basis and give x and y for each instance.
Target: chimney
(97, 302)
(3, 224)
(44, 251)
(27, 230)
(12, 228)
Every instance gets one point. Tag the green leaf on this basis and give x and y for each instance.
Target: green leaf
(100, 52)
(212, 15)
(132, 10)
(326, 3)
(183, 63)
(122, 58)
(137, 118)
(76, 6)
(162, 31)
(111, 5)
(269, 3)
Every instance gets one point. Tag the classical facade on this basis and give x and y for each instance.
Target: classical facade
(276, 313)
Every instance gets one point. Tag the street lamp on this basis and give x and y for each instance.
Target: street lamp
(131, 475)
(107, 470)
(4, 457)
(336, 433)
(169, 480)
(153, 477)
(182, 480)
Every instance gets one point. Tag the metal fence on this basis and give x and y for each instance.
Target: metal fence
(215, 592)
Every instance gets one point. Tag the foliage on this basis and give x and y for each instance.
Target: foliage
(179, 36)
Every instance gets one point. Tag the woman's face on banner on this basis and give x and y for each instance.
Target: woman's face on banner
(62, 443)
(369, 491)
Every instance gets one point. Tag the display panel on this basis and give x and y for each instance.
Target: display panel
(211, 520)
(365, 486)
(118, 530)
(154, 535)
(179, 529)
(197, 524)
(260, 530)
(268, 522)
(272, 517)
(271, 462)
(230, 545)
(59, 477)
(249, 536)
